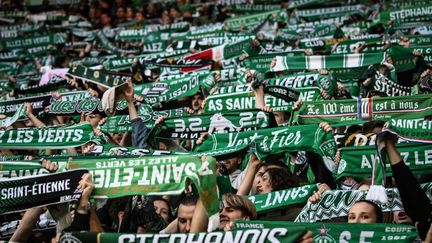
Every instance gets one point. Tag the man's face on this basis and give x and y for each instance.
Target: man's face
(232, 164)
(184, 216)
(196, 102)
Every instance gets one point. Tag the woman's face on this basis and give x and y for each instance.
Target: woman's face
(264, 185)
(162, 209)
(362, 212)
(258, 177)
(229, 214)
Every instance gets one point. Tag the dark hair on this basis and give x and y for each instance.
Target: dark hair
(378, 211)
(281, 179)
(369, 126)
(189, 200)
(170, 213)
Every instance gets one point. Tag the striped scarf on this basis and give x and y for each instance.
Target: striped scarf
(324, 62)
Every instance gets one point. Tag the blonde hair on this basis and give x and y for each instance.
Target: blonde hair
(241, 203)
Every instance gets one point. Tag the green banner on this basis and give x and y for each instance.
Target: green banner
(283, 198)
(152, 175)
(16, 169)
(251, 20)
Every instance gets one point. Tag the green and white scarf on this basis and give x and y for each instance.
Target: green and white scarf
(324, 62)
(44, 40)
(341, 232)
(336, 203)
(331, 12)
(251, 20)
(283, 198)
(47, 138)
(159, 175)
(416, 13)
(278, 140)
(413, 130)
(276, 235)
(16, 169)
(357, 161)
(382, 108)
(8, 121)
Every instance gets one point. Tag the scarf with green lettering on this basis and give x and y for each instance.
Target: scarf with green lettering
(251, 20)
(160, 175)
(97, 76)
(300, 4)
(323, 62)
(22, 193)
(332, 12)
(336, 203)
(357, 161)
(415, 13)
(89, 105)
(341, 232)
(381, 108)
(279, 140)
(39, 103)
(47, 138)
(283, 198)
(275, 234)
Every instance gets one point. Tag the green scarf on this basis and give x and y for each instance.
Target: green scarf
(423, 13)
(47, 138)
(44, 40)
(383, 108)
(276, 235)
(8, 121)
(251, 20)
(341, 232)
(241, 101)
(332, 12)
(126, 62)
(278, 140)
(336, 203)
(191, 127)
(160, 175)
(261, 62)
(16, 169)
(413, 130)
(357, 161)
(324, 62)
(283, 198)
